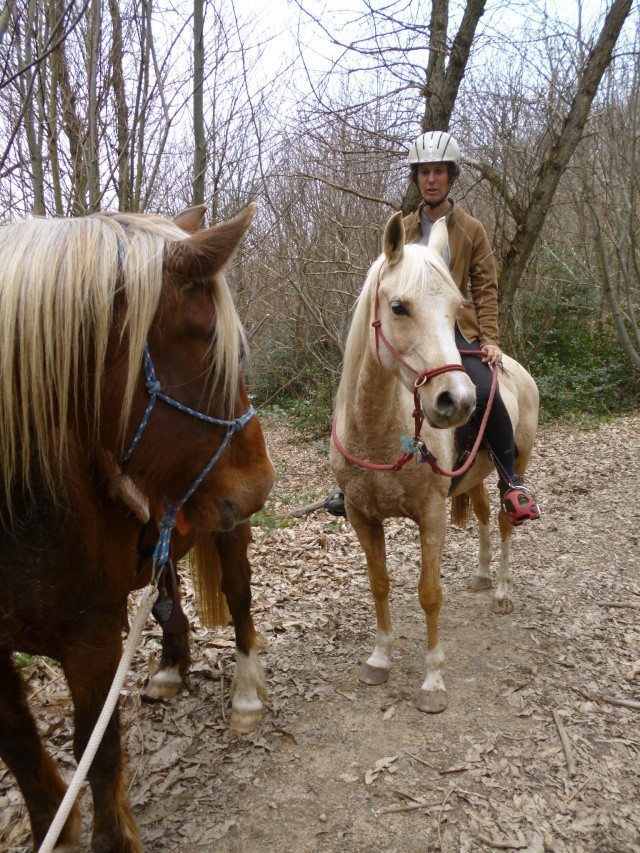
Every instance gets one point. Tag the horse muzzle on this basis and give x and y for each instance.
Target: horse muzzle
(219, 511)
(450, 407)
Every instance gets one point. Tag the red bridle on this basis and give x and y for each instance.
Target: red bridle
(423, 375)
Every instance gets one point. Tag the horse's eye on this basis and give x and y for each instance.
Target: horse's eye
(399, 308)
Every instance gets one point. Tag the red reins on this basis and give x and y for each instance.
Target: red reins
(418, 417)
(418, 445)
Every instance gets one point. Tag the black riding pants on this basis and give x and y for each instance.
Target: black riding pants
(499, 432)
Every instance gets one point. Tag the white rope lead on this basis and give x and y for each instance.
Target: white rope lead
(147, 602)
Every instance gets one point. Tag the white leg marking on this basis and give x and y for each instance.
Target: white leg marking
(503, 587)
(164, 684)
(247, 691)
(381, 657)
(435, 665)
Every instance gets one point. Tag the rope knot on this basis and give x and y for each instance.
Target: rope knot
(153, 386)
(163, 545)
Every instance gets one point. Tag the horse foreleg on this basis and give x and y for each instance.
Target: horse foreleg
(175, 659)
(90, 667)
(370, 534)
(22, 751)
(482, 510)
(432, 697)
(248, 689)
(502, 603)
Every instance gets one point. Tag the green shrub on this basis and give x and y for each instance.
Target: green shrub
(584, 374)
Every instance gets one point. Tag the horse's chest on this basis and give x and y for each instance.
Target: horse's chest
(405, 494)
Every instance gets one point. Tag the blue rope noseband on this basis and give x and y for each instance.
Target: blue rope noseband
(168, 522)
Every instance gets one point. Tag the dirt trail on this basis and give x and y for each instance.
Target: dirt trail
(337, 766)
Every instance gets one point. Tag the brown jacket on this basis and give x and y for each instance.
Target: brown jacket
(473, 269)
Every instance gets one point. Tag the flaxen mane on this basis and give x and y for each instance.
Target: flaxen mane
(58, 280)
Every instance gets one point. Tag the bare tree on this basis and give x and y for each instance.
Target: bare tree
(558, 152)
(449, 94)
(200, 152)
(86, 103)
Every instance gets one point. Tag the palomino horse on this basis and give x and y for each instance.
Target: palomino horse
(120, 351)
(403, 328)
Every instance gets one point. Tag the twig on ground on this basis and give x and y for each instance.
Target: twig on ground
(503, 845)
(410, 807)
(610, 700)
(409, 796)
(422, 761)
(566, 745)
(45, 685)
(448, 794)
(305, 510)
(580, 787)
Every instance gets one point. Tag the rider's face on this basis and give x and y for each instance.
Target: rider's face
(433, 182)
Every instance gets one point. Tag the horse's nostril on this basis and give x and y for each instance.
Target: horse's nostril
(445, 403)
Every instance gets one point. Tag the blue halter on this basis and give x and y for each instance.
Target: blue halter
(168, 522)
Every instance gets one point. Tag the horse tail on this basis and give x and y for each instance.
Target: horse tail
(206, 571)
(460, 510)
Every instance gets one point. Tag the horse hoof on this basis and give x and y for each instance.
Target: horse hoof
(373, 675)
(245, 721)
(479, 582)
(432, 701)
(501, 607)
(163, 684)
(107, 843)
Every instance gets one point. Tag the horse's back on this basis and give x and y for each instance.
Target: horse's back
(522, 399)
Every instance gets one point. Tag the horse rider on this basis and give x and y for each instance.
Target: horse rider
(434, 159)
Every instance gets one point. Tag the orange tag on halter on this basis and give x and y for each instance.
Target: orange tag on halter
(181, 523)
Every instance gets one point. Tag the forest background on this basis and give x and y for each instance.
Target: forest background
(309, 109)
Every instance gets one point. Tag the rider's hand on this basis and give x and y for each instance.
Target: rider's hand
(492, 355)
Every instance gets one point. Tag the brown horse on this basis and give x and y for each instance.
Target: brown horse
(401, 363)
(85, 305)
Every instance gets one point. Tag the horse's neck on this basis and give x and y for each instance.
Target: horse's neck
(377, 411)
(375, 401)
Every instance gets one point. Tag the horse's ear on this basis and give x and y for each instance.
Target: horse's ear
(393, 239)
(209, 250)
(191, 218)
(439, 237)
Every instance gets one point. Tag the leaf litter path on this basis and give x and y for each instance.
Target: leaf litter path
(531, 754)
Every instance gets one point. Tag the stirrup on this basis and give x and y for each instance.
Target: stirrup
(334, 503)
(518, 502)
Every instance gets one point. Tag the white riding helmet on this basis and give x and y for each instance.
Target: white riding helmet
(437, 146)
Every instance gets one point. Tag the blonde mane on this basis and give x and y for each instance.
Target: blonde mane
(414, 272)
(58, 281)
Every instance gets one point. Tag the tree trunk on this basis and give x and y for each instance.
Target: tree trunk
(121, 109)
(200, 153)
(443, 78)
(31, 98)
(515, 258)
(93, 61)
